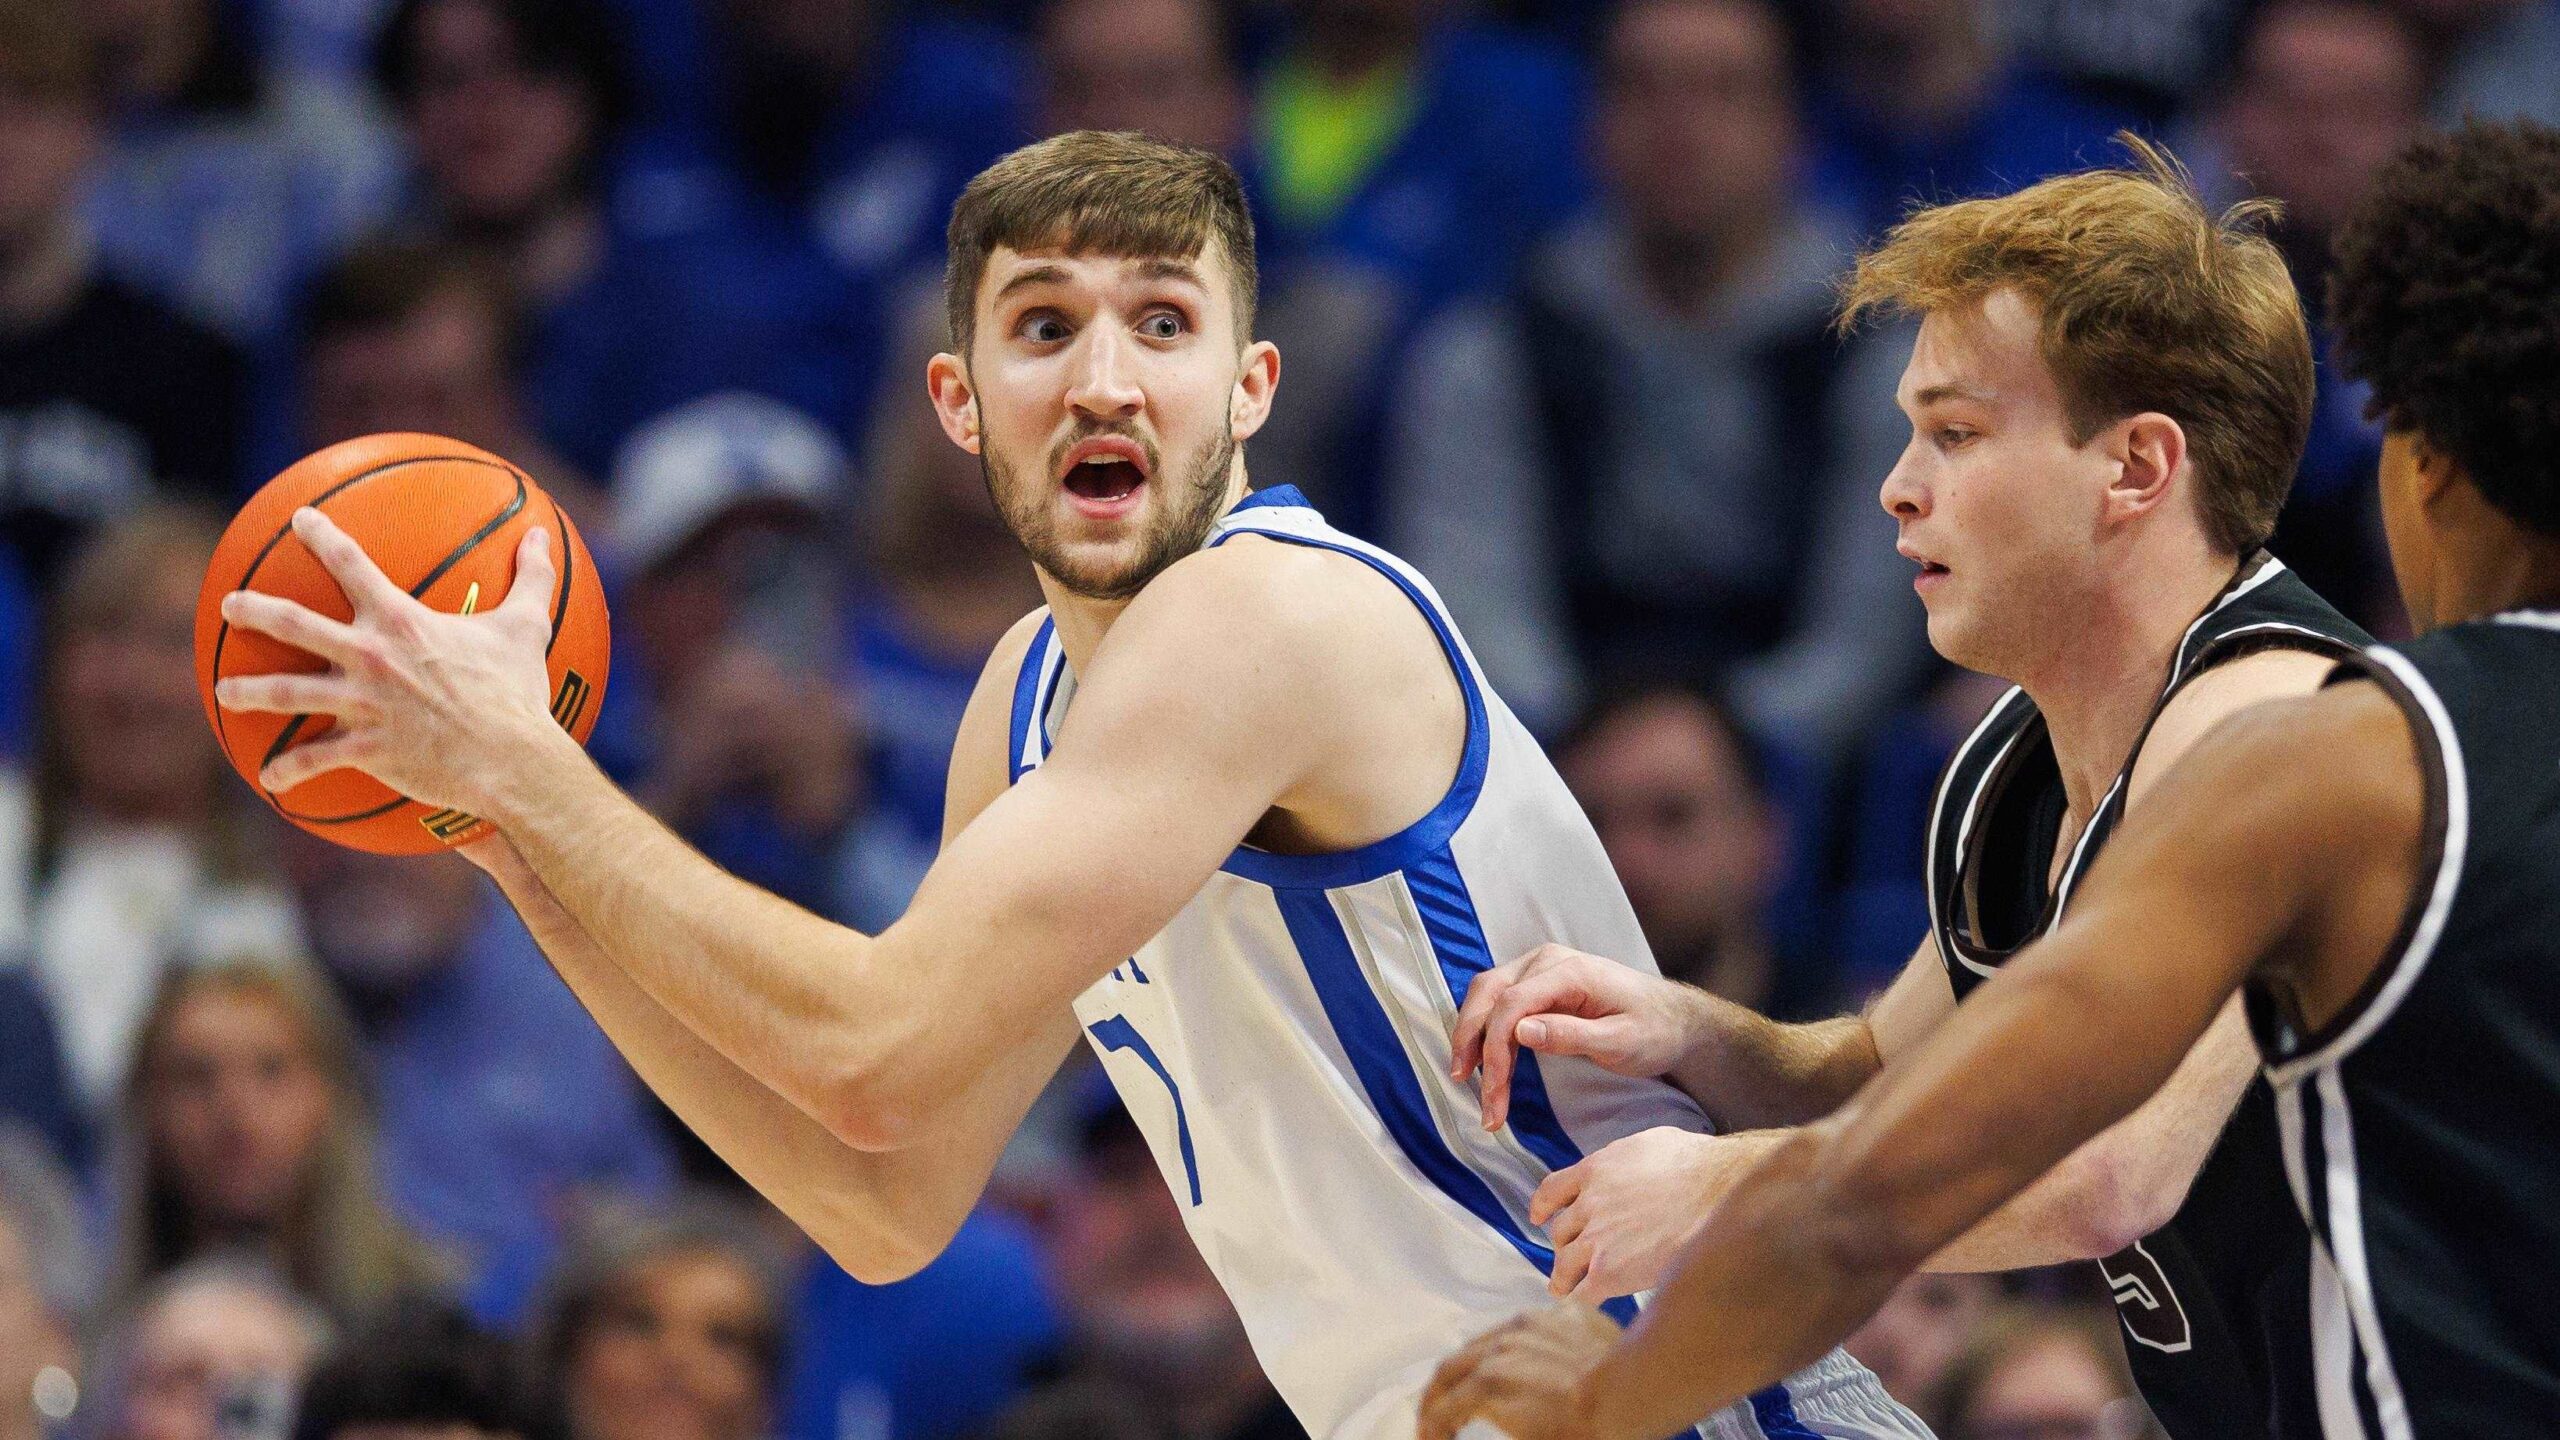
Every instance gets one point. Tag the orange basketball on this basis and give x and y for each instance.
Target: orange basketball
(443, 520)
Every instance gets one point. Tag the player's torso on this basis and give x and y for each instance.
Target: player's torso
(2207, 1301)
(1284, 1045)
(2421, 1126)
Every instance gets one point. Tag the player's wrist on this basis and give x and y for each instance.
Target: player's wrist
(520, 778)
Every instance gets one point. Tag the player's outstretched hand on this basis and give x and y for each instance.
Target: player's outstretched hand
(417, 698)
(1560, 1001)
(1526, 1377)
(1619, 1219)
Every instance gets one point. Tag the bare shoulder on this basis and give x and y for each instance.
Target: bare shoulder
(2209, 699)
(978, 771)
(1254, 598)
(2337, 767)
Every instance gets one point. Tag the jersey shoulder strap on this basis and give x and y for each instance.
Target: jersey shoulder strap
(1953, 808)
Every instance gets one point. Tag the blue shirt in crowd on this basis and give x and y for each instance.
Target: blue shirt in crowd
(499, 1101)
(933, 1356)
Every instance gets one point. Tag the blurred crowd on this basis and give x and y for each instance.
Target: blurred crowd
(296, 1141)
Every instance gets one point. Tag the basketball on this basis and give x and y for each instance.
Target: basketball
(443, 520)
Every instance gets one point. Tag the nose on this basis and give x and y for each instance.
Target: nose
(1105, 386)
(1903, 496)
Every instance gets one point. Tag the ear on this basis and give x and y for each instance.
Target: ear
(955, 401)
(2437, 470)
(1256, 380)
(2150, 451)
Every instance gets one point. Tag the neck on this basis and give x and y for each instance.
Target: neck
(2523, 576)
(1348, 54)
(42, 275)
(546, 252)
(1684, 273)
(1082, 620)
(2097, 692)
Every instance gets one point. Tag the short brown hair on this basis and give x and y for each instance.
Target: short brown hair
(2147, 302)
(1107, 192)
(381, 283)
(45, 50)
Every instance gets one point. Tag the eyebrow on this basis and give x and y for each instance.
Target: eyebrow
(1156, 269)
(1936, 393)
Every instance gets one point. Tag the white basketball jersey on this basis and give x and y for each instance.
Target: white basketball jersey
(1284, 1045)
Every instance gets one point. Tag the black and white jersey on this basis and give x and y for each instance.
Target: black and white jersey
(2421, 1125)
(2209, 1300)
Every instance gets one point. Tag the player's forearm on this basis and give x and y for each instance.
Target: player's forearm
(1751, 1073)
(787, 996)
(1771, 1282)
(876, 1215)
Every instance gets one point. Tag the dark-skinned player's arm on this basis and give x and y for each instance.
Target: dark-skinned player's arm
(880, 1215)
(1219, 688)
(2286, 845)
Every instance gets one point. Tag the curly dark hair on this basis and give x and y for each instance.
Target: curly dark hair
(2447, 302)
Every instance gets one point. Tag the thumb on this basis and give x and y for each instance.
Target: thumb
(1599, 1040)
(529, 595)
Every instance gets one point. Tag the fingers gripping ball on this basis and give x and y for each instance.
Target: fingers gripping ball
(443, 520)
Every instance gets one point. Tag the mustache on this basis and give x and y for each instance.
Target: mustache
(1092, 431)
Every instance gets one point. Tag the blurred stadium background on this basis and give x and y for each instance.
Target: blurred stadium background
(268, 1107)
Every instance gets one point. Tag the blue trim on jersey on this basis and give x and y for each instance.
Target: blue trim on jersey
(1457, 939)
(1028, 702)
(1775, 1409)
(1416, 841)
(1116, 1033)
(1282, 495)
(1369, 1040)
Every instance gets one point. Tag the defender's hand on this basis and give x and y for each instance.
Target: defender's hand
(1560, 1001)
(423, 702)
(1619, 1219)
(1525, 1377)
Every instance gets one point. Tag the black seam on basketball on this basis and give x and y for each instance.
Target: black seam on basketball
(222, 635)
(293, 727)
(568, 572)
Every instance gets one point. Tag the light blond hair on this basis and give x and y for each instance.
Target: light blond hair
(2145, 301)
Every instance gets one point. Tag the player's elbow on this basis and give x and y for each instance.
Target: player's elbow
(2109, 1202)
(871, 1112)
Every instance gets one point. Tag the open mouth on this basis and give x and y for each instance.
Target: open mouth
(1104, 471)
(1932, 567)
(1104, 478)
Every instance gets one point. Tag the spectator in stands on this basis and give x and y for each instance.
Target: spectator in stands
(2153, 57)
(665, 1326)
(416, 1373)
(501, 1106)
(244, 1133)
(1917, 103)
(215, 1350)
(136, 850)
(754, 751)
(212, 194)
(35, 1086)
(2497, 59)
(940, 580)
(398, 335)
(828, 138)
(1675, 789)
(44, 1289)
(1916, 1338)
(1656, 456)
(1404, 156)
(80, 441)
(2043, 1373)
(1149, 1330)
(514, 110)
(1164, 67)
(2326, 92)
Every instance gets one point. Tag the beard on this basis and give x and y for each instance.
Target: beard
(1180, 526)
